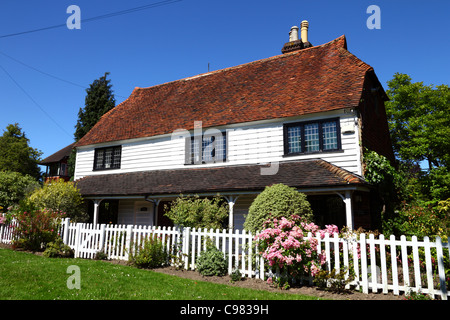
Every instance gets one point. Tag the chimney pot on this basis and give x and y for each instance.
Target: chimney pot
(304, 31)
(293, 34)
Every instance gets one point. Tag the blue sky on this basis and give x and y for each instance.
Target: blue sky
(179, 39)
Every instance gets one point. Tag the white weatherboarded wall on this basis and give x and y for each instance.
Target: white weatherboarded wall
(249, 143)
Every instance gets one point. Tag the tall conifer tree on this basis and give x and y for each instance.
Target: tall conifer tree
(99, 100)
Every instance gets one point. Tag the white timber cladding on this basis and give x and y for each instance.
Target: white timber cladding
(247, 143)
(136, 212)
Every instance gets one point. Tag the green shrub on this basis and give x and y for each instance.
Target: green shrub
(277, 201)
(211, 262)
(60, 196)
(196, 212)
(236, 275)
(151, 253)
(334, 281)
(100, 255)
(57, 249)
(417, 219)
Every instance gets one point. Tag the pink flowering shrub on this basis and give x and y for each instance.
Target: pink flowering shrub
(286, 246)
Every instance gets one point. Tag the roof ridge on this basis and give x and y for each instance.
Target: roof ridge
(340, 41)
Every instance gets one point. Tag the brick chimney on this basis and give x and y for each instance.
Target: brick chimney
(295, 43)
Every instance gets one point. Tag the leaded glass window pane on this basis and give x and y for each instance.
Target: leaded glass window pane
(99, 159)
(294, 139)
(329, 131)
(312, 137)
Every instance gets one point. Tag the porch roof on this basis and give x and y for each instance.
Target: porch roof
(300, 174)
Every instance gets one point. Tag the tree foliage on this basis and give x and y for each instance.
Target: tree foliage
(277, 201)
(14, 187)
(16, 154)
(98, 101)
(380, 173)
(419, 124)
(419, 121)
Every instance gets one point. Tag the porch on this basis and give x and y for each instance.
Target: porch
(336, 195)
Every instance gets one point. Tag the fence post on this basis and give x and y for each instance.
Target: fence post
(129, 236)
(65, 235)
(428, 264)
(405, 266)
(365, 284)
(186, 244)
(394, 264)
(415, 249)
(230, 251)
(383, 264)
(440, 260)
(77, 239)
(373, 263)
(102, 236)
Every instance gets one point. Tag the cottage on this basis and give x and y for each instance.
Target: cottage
(301, 118)
(56, 164)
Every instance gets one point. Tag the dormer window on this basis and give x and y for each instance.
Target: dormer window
(107, 158)
(312, 137)
(206, 149)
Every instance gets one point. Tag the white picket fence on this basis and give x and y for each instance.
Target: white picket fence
(380, 265)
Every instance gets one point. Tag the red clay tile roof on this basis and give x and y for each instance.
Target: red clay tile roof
(300, 174)
(321, 78)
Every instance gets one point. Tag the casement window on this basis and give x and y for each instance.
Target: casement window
(107, 158)
(312, 136)
(210, 148)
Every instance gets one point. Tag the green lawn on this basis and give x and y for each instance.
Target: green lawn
(25, 276)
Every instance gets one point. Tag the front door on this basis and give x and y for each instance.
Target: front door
(144, 213)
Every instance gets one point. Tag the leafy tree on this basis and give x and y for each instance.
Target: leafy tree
(277, 201)
(99, 100)
(16, 155)
(60, 196)
(419, 124)
(386, 179)
(196, 212)
(14, 187)
(419, 121)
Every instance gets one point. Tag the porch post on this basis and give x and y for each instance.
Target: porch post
(231, 201)
(155, 211)
(348, 209)
(96, 205)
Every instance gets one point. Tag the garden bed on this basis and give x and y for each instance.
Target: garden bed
(259, 284)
